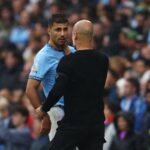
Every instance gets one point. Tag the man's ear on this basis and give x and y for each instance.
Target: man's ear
(76, 36)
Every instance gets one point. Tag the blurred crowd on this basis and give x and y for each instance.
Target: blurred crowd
(121, 31)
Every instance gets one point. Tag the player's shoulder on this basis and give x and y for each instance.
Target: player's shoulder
(43, 52)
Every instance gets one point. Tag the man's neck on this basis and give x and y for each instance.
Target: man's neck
(84, 46)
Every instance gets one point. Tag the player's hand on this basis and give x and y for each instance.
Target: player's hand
(39, 113)
(46, 125)
(67, 49)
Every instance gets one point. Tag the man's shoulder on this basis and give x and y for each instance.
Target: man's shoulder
(67, 57)
(103, 55)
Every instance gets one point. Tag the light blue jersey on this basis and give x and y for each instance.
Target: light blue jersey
(44, 68)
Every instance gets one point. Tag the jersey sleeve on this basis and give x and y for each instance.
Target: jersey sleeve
(60, 85)
(40, 67)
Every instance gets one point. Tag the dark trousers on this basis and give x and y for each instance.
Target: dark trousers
(68, 139)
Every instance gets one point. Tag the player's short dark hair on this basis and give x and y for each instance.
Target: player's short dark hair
(58, 18)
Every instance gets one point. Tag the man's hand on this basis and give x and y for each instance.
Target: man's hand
(46, 125)
(39, 113)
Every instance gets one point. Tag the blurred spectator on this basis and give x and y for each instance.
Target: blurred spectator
(33, 46)
(110, 86)
(17, 138)
(133, 102)
(144, 80)
(6, 21)
(12, 69)
(35, 11)
(4, 112)
(125, 139)
(120, 84)
(141, 15)
(20, 34)
(146, 122)
(145, 52)
(4, 116)
(141, 65)
(27, 104)
(148, 86)
(4, 49)
(41, 142)
(98, 36)
(54, 8)
(119, 65)
(18, 6)
(73, 18)
(25, 71)
(110, 111)
(130, 73)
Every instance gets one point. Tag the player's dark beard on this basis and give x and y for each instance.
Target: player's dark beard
(59, 47)
(62, 47)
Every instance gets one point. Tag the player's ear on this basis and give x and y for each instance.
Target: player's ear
(49, 30)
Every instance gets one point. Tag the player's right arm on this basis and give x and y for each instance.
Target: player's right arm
(31, 91)
(39, 68)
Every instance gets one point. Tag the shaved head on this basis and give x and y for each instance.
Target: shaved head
(84, 28)
(82, 35)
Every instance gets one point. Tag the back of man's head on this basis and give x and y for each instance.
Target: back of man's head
(57, 18)
(84, 29)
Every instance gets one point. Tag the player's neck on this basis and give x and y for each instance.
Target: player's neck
(54, 46)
